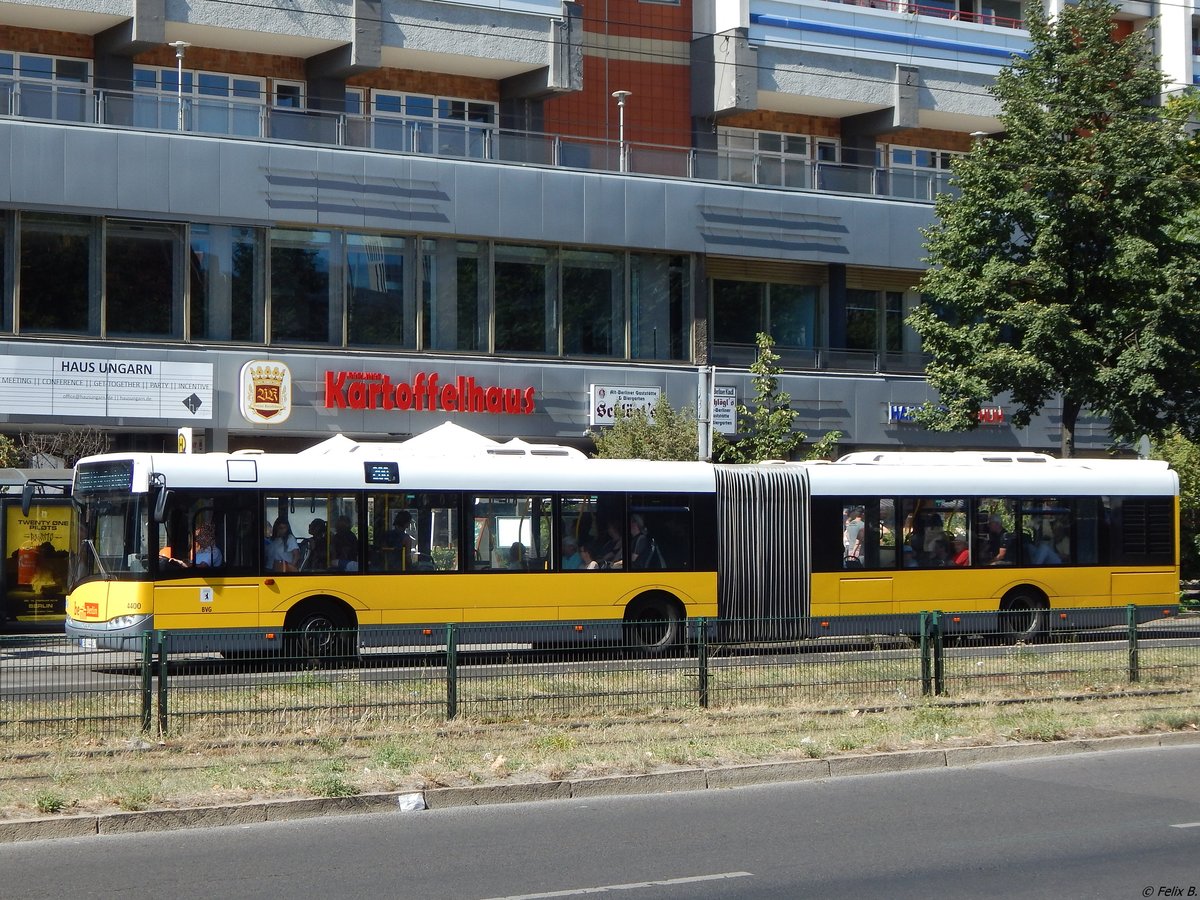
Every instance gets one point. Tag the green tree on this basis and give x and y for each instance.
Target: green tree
(767, 429)
(1058, 270)
(10, 457)
(666, 434)
(1184, 457)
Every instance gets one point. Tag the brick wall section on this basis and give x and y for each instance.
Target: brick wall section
(50, 43)
(438, 85)
(783, 123)
(659, 112)
(259, 65)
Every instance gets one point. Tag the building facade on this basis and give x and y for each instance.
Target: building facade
(271, 223)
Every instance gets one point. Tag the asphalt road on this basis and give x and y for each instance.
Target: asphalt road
(1109, 825)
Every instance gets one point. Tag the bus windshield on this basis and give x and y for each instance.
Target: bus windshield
(108, 538)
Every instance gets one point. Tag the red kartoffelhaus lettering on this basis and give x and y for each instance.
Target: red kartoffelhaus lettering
(375, 390)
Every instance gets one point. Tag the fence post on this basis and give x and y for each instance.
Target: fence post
(451, 671)
(939, 673)
(163, 640)
(1131, 621)
(702, 662)
(926, 663)
(147, 680)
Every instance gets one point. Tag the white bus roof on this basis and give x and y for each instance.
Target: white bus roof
(334, 472)
(342, 465)
(970, 473)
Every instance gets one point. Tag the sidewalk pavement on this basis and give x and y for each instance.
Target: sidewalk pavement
(75, 826)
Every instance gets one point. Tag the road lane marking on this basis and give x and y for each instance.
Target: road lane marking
(1187, 825)
(637, 885)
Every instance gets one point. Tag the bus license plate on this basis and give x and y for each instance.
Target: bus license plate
(87, 643)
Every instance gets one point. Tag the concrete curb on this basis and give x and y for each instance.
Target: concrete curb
(59, 827)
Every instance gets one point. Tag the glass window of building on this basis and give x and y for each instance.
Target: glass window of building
(53, 88)
(793, 314)
(660, 289)
(288, 94)
(738, 311)
(787, 312)
(143, 279)
(918, 172)
(526, 300)
(874, 320)
(593, 288)
(227, 268)
(304, 309)
(420, 123)
(5, 287)
(455, 295)
(381, 307)
(862, 319)
(56, 257)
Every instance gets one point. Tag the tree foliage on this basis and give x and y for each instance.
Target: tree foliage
(10, 457)
(767, 429)
(1059, 269)
(666, 434)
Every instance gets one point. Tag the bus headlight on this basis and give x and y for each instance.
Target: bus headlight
(122, 622)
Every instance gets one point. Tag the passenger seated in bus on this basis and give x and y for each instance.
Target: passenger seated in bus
(613, 552)
(398, 539)
(934, 531)
(1042, 553)
(587, 554)
(344, 545)
(940, 554)
(644, 553)
(516, 556)
(962, 553)
(205, 552)
(910, 557)
(999, 548)
(571, 558)
(315, 552)
(283, 550)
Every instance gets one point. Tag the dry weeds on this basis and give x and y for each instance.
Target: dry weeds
(67, 775)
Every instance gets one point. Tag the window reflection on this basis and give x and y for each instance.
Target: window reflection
(300, 287)
(381, 310)
(141, 265)
(55, 263)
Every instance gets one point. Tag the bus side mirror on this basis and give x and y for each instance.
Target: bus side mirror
(26, 498)
(160, 506)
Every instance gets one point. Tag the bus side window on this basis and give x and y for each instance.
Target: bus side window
(828, 554)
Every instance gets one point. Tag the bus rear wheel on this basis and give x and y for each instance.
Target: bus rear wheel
(319, 632)
(653, 624)
(1024, 619)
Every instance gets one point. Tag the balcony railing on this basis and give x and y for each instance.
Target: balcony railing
(985, 17)
(79, 103)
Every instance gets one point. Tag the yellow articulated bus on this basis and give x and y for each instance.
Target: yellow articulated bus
(255, 550)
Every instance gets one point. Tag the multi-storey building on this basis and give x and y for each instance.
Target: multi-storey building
(275, 221)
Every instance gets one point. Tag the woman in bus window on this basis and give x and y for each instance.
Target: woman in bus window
(283, 550)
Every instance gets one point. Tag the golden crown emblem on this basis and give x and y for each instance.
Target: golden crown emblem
(268, 375)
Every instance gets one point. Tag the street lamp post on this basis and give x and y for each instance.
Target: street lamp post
(621, 98)
(180, 48)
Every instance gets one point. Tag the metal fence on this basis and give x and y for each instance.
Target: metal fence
(50, 687)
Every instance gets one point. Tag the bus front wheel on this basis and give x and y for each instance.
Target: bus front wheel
(653, 624)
